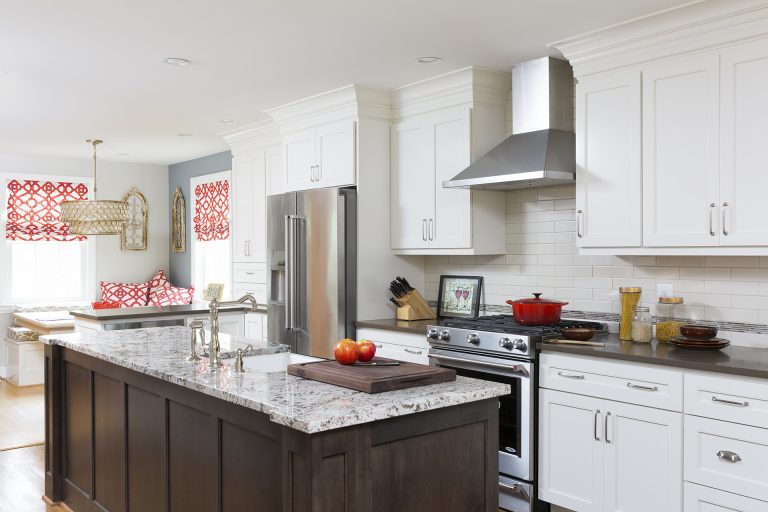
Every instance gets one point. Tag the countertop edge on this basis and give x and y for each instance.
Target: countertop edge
(127, 313)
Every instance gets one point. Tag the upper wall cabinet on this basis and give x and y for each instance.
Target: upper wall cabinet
(671, 132)
(431, 142)
(323, 156)
(608, 166)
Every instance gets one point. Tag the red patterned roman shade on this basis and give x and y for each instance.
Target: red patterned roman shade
(211, 220)
(34, 210)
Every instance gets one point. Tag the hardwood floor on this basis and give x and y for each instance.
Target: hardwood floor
(22, 416)
(21, 480)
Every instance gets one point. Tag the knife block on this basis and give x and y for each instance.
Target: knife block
(414, 307)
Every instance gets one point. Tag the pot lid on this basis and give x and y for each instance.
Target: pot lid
(538, 300)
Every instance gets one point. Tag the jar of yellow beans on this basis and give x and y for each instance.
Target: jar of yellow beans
(670, 316)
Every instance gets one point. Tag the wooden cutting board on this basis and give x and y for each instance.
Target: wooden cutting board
(372, 379)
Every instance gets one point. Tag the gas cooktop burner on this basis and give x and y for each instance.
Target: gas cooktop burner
(507, 324)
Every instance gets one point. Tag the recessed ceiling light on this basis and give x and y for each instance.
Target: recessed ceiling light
(176, 61)
(428, 60)
(184, 134)
(226, 121)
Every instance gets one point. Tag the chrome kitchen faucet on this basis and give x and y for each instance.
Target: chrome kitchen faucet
(214, 350)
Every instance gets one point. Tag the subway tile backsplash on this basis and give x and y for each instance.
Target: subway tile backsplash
(541, 257)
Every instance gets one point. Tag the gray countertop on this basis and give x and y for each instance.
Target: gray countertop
(393, 324)
(301, 404)
(744, 361)
(139, 313)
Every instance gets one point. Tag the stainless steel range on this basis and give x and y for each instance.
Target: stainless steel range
(496, 348)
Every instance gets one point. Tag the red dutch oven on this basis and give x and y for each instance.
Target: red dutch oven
(537, 311)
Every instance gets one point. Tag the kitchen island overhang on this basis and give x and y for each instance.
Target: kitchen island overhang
(127, 431)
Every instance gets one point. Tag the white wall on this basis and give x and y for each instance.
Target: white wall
(114, 181)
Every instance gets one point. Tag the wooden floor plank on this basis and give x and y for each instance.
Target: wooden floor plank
(22, 416)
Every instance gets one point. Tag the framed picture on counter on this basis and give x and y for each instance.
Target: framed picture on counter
(459, 296)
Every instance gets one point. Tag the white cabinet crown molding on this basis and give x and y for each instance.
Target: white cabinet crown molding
(351, 101)
(252, 137)
(470, 85)
(691, 27)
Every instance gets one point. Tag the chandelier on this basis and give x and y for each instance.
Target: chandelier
(94, 217)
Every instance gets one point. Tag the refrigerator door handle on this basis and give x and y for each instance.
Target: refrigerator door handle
(292, 223)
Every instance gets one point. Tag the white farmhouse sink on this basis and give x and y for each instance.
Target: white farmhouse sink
(271, 363)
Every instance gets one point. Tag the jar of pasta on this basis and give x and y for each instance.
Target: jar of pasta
(670, 316)
(630, 296)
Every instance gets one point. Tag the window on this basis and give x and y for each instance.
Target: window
(211, 243)
(40, 262)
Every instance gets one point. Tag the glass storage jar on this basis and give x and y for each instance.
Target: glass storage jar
(642, 325)
(630, 297)
(670, 316)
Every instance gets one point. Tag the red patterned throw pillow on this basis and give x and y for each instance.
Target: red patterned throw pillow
(159, 280)
(171, 296)
(129, 295)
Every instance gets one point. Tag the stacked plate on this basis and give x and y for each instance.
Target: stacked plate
(698, 338)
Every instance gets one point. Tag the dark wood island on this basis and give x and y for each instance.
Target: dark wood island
(132, 426)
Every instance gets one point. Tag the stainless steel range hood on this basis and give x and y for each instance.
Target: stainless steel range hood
(542, 148)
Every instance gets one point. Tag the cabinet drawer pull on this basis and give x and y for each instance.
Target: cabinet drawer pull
(607, 418)
(431, 229)
(642, 388)
(250, 273)
(377, 345)
(725, 230)
(411, 351)
(727, 456)
(424, 229)
(319, 172)
(712, 207)
(597, 422)
(566, 376)
(730, 402)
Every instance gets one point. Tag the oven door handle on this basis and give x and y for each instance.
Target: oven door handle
(512, 369)
(517, 490)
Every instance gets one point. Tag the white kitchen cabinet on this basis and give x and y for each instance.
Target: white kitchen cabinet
(571, 451)
(256, 326)
(249, 223)
(608, 160)
(323, 156)
(744, 152)
(275, 176)
(593, 453)
(680, 152)
(232, 324)
(426, 218)
(699, 498)
(412, 348)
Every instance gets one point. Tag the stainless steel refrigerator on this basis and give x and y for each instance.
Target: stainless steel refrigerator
(312, 252)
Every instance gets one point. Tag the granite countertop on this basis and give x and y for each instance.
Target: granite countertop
(393, 324)
(744, 361)
(304, 405)
(137, 313)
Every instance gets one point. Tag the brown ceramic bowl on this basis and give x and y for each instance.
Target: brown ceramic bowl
(578, 333)
(699, 332)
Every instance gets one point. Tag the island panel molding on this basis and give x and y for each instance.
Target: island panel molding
(195, 452)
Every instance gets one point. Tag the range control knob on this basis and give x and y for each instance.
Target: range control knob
(432, 334)
(520, 345)
(506, 343)
(445, 335)
(473, 339)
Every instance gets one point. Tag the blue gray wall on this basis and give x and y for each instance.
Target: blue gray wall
(180, 263)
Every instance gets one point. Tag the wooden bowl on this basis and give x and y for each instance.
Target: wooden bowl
(578, 333)
(699, 332)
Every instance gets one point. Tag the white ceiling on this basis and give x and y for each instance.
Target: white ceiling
(75, 69)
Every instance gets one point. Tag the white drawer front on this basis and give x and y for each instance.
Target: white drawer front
(401, 353)
(705, 499)
(728, 398)
(727, 456)
(257, 290)
(639, 384)
(394, 337)
(249, 273)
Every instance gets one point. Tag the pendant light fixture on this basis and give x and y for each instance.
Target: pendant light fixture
(94, 217)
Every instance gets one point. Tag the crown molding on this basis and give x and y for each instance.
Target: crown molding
(252, 137)
(472, 85)
(696, 26)
(351, 101)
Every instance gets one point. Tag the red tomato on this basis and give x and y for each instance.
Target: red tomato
(346, 352)
(366, 349)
